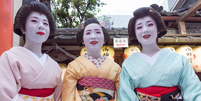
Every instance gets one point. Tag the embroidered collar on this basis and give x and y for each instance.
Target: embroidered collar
(97, 62)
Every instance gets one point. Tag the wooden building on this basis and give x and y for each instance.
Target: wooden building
(184, 28)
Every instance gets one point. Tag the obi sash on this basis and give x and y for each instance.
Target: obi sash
(94, 88)
(37, 92)
(159, 93)
(32, 98)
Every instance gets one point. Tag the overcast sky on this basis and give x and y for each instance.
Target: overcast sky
(123, 7)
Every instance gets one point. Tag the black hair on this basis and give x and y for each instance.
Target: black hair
(81, 27)
(143, 12)
(26, 10)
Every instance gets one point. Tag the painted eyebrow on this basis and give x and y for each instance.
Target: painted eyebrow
(88, 30)
(35, 17)
(97, 29)
(44, 20)
(149, 21)
(139, 24)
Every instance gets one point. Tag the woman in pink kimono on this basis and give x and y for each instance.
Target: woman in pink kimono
(26, 73)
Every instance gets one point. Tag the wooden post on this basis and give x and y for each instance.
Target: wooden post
(6, 24)
(182, 27)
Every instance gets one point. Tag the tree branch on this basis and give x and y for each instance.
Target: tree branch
(78, 10)
(68, 16)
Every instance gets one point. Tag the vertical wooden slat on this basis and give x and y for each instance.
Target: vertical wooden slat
(182, 27)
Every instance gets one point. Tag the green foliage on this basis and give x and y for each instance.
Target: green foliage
(69, 13)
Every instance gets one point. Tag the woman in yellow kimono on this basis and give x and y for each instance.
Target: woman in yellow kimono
(91, 77)
(155, 74)
(27, 74)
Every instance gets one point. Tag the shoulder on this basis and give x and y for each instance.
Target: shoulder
(15, 49)
(11, 56)
(11, 52)
(114, 64)
(133, 56)
(52, 62)
(50, 58)
(131, 59)
(77, 62)
(178, 57)
(117, 66)
(170, 52)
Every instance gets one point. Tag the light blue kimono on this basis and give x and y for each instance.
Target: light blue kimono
(170, 69)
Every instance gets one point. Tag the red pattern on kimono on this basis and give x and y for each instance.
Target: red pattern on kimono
(156, 90)
(37, 92)
(97, 82)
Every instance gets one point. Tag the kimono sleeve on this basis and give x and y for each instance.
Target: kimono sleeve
(126, 87)
(57, 91)
(9, 84)
(69, 89)
(117, 82)
(189, 83)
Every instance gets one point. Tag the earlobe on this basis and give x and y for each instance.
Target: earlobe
(22, 30)
(158, 32)
(104, 42)
(82, 42)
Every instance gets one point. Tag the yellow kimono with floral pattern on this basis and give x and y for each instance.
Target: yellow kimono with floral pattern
(83, 67)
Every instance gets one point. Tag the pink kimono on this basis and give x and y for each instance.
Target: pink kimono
(20, 69)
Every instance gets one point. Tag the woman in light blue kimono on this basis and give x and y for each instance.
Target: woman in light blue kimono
(155, 74)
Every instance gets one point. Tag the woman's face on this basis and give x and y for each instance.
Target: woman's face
(93, 37)
(37, 28)
(146, 30)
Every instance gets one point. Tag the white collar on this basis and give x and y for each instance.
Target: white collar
(149, 59)
(41, 60)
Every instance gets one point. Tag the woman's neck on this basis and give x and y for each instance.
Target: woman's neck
(150, 50)
(95, 54)
(35, 48)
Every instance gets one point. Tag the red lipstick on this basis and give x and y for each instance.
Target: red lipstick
(93, 42)
(40, 33)
(146, 36)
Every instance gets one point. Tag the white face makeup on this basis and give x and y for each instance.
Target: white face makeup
(37, 28)
(93, 37)
(146, 30)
